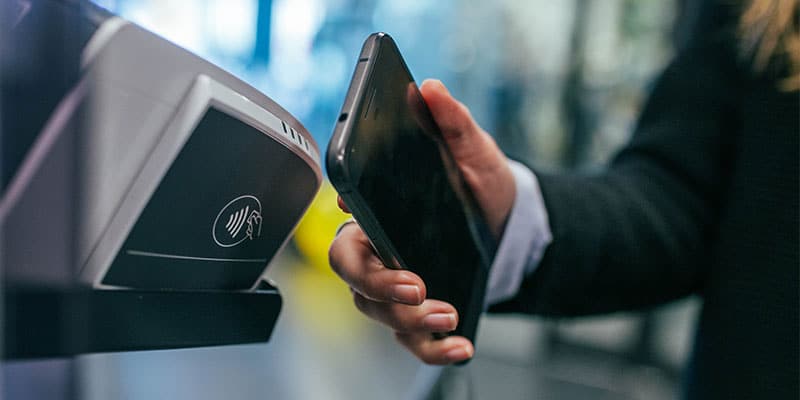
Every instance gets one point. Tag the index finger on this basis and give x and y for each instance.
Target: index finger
(352, 258)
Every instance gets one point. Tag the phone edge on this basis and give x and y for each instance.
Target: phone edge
(338, 173)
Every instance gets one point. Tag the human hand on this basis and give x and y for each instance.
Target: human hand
(484, 167)
(396, 298)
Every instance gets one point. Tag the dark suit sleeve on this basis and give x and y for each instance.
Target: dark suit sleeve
(639, 233)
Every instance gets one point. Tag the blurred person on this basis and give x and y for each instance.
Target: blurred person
(703, 200)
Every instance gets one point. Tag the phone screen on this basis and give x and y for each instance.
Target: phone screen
(405, 176)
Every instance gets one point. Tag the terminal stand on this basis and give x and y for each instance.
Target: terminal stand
(48, 313)
(46, 323)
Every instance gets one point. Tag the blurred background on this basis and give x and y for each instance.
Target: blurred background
(558, 84)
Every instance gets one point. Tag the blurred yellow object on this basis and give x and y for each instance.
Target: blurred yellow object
(320, 297)
(318, 227)
(326, 308)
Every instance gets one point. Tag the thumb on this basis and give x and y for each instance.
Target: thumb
(464, 137)
(483, 165)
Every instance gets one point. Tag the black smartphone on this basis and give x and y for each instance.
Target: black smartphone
(389, 163)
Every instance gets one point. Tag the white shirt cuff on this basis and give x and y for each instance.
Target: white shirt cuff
(526, 236)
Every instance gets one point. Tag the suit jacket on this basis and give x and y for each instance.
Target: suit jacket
(704, 200)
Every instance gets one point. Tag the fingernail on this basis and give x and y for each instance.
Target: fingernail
(459, 353)
(439, 322)
(408, 294)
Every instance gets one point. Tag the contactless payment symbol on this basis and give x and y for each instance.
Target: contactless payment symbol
(238, 221)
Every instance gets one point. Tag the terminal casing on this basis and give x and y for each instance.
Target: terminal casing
(185, 176)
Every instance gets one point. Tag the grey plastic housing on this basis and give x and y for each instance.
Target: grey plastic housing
(155, 191)
(168, 144)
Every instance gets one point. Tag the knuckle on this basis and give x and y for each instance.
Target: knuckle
(374, 283)
(360, 282)
(361, 303)
(384, 313)
(404, 318)
(405, 339)
(334, 255)
(428, 358)
(335, 267)
(397, 320)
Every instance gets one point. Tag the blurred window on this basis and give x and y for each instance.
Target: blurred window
(557, 83)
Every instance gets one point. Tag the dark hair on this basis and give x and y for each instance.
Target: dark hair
(769, 32)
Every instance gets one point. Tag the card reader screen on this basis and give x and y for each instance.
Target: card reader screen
(225, 206)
